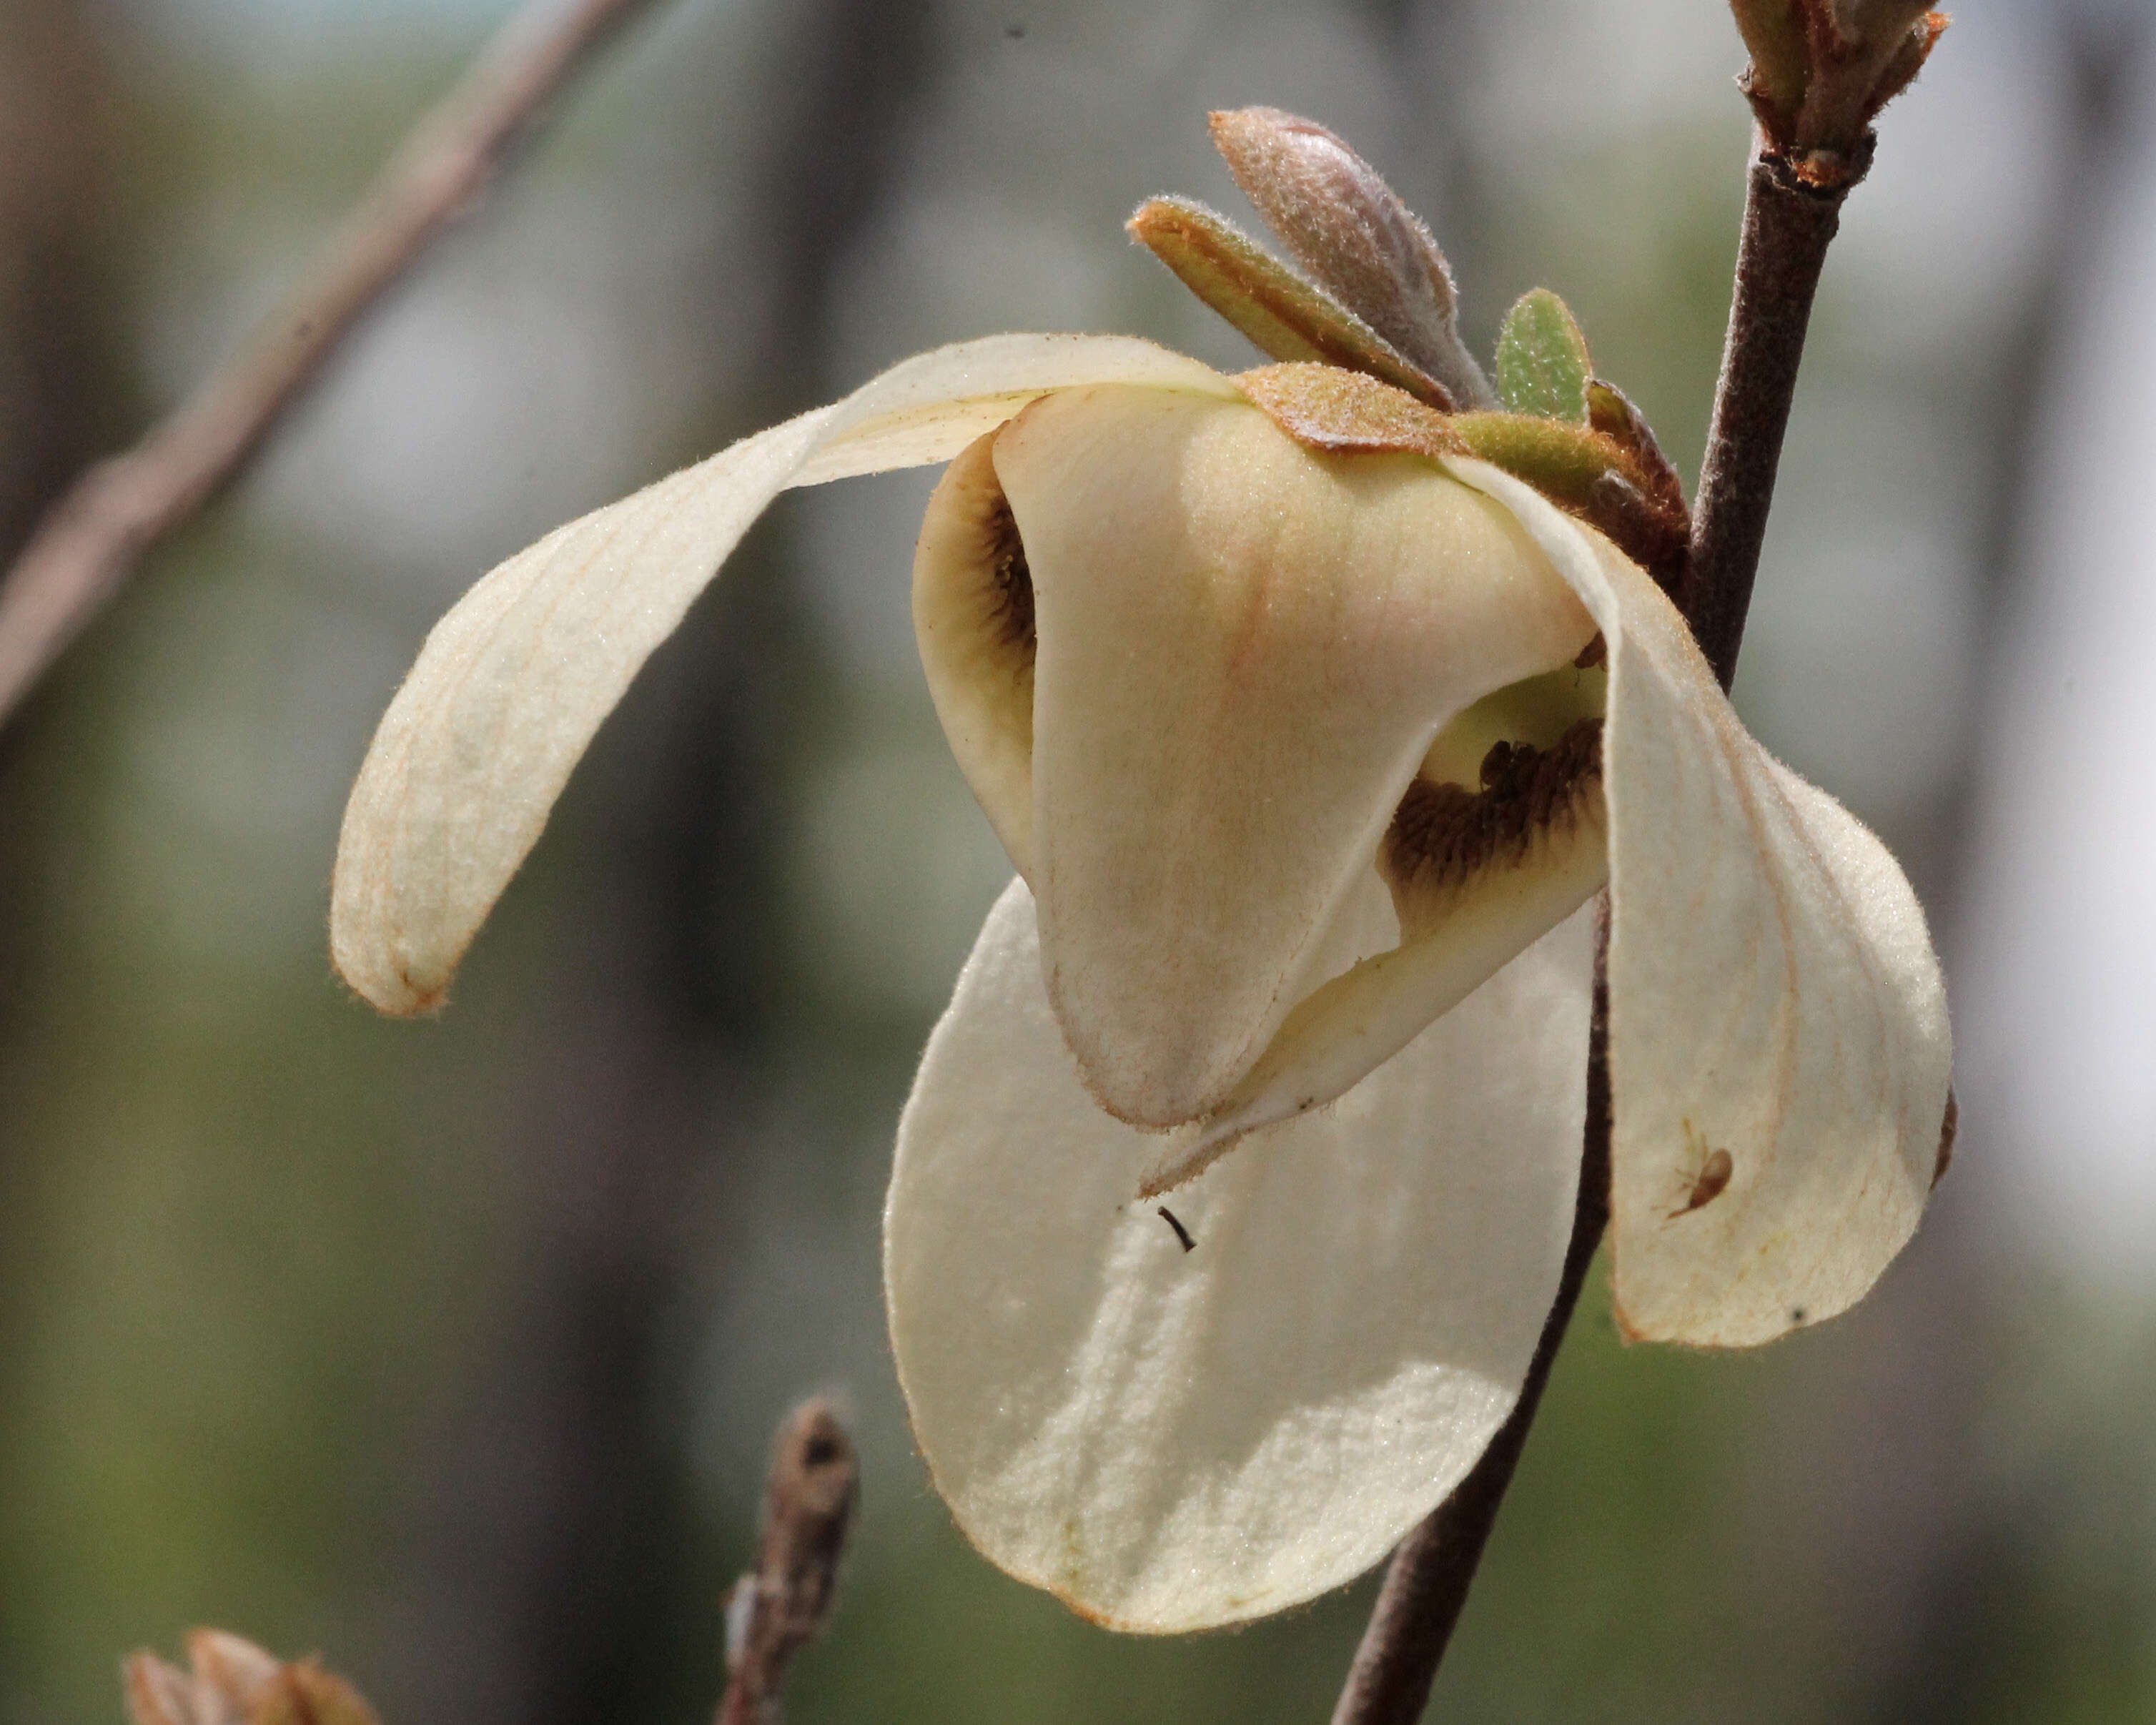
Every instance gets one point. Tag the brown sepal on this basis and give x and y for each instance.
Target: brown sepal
(1585, 471)
(1348, 412)
(1610, 412)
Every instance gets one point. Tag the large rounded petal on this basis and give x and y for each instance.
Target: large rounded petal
(1779, 1048)
(513, 682)
(1169, 1439)
(1244, 649)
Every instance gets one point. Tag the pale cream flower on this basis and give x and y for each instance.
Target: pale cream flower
(1289, 746)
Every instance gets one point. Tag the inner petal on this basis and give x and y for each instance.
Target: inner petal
(973, 618)
(1246, 650)
(1477, 870)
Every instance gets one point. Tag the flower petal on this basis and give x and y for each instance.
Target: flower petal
(1245, 649)
(1459, 926)
(1170, 1439)
(514, 681)
(1778, 1047)
(974, 621)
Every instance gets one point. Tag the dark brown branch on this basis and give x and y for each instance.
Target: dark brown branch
(82, 549)
(1789, 223)
(1426, 1585)
(776, 1611)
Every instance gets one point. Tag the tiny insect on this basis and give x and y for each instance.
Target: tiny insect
(1181, 1233)
(1715, 1167)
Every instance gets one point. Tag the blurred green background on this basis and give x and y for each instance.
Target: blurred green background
(452, 1350)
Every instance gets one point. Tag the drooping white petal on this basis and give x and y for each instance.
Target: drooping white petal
(1244, 649)
(514, 681)
(1172, 1440)
(1773, 996)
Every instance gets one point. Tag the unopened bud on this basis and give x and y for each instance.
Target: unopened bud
(1822, 70)
(1351, 230)
(235, 1668)
(773, 1613)
(304, 1694)
(234, 1682)
(1284, 316)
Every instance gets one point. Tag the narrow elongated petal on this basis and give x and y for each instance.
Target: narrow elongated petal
(1245, 648)
(514, 681)
(1170, 1439)
(1779, 1048)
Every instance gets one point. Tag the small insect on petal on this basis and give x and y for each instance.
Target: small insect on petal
(1181, 1233)
(1708, 1185)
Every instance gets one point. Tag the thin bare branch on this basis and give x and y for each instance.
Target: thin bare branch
(83, 550)
(1789, 223)
(774, 1613)
(1426, 1585)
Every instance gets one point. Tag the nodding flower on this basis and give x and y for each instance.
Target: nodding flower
(1313, 707)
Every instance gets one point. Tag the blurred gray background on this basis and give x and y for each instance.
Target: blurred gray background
(452, 1350)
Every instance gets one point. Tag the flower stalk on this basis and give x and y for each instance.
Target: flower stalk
(1426, 1585)
(1790, 221)
(1792, 212)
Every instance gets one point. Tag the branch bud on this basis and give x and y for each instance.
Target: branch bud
(234, 1682)
(1822, 70)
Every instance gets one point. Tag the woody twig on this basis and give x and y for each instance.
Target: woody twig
(85, 546)
(774, 1612)
(1820, 72)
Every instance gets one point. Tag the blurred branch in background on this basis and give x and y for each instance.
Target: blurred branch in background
(52, 102)
(88, 541)
(776, 1611)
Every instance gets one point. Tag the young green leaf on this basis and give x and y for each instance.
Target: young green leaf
(1542, 367)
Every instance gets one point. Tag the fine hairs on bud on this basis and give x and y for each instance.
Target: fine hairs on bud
(1344, 224)
(1822, 70)
(1883, 22)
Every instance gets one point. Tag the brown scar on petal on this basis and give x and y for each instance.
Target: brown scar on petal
(1444, 833)
(1948, 1128)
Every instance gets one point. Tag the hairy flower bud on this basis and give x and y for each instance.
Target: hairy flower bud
(1822, 70)
(1350, 229)
(233, 1681)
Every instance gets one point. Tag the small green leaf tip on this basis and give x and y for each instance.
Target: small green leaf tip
(1542, 367)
